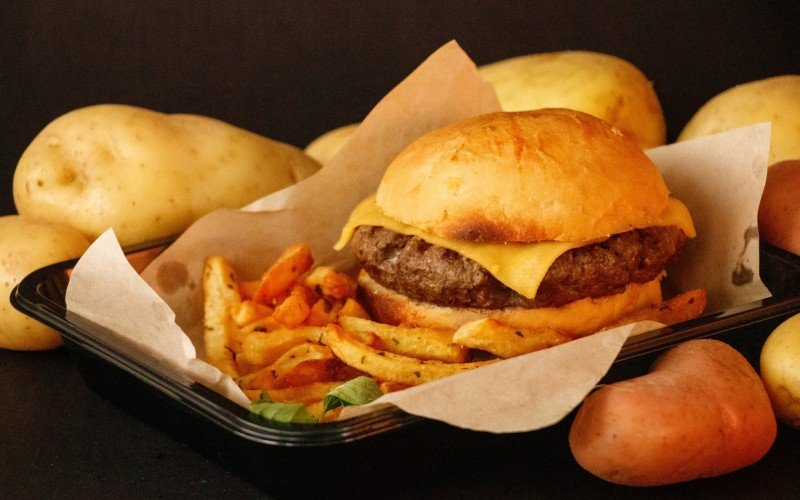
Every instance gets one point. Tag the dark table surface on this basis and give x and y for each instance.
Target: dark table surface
(59, 439)
(290, 71)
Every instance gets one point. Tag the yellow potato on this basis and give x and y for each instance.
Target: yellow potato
(780, 370)
(324, 147)
(775, 100)
(599, 84)
(25, 245)
(146, 174)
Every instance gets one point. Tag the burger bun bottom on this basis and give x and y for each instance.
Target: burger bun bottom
(577, 319)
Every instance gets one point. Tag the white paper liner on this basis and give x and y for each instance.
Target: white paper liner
(105, 290)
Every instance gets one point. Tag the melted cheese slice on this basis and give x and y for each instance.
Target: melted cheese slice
(519, 266)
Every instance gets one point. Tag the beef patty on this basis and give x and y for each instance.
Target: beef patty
(430, 273)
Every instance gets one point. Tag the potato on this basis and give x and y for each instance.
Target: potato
(599, 84)
(701, 412)
(775, 100)
(27, 244)
(780, 370)
(324, 147)
(146, 174)
(779, 210)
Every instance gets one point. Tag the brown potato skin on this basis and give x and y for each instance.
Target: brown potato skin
(779, 211)
(702, 411)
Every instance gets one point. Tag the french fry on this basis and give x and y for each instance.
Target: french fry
(307, 372)
(304, 394)
(277, 375)
(265, 348)
(331, 415)
(351, 308)
(323, 312)
(247, 289)
(387, 365)
(248, 311)
(488, 334)
(315, 410)
(243, 365)
(366, 338)
(294, 309)
(387, 387)
(265, 324)
(328, 283)
(423, 343)
(293, 262)
(252, 394)
(221, 296)
(680, 308)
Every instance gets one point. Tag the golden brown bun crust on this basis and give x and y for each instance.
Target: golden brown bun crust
(577, 319)
(779, 211)
(551, 174)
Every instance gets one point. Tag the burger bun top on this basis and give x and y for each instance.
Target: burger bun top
(550, 174)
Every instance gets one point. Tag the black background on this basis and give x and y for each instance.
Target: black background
(291, 71)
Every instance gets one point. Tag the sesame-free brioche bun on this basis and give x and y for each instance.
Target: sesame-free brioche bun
(550, 174)
(576, 319)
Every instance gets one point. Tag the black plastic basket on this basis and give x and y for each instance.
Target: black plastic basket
(384, 449)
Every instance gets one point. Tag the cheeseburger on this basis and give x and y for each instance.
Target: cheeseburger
(540, 219)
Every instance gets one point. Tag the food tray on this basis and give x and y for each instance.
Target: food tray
(383, 448)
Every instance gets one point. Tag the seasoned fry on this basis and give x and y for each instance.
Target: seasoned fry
(247, 289)
(389, 366)
(351, 308)
(293, 365)
(328, 283)
(252, 394)
(315, 410)
(680, 308)
(309, 371)
(294, 309)
(387, 387)
(298, 333)
(221, 296)
(305, 394)
(490, 335)
(293, 262)
(248, 311)
(243, 365)
(265, 348)
(265, 324)
(323, 312)
(423, 343)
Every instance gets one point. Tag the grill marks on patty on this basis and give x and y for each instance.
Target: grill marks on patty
(430, 273)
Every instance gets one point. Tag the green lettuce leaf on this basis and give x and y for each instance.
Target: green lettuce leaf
(290, 413)
(359, 391)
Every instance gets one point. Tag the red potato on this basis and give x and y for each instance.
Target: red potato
(702, 411)
(779, 210)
